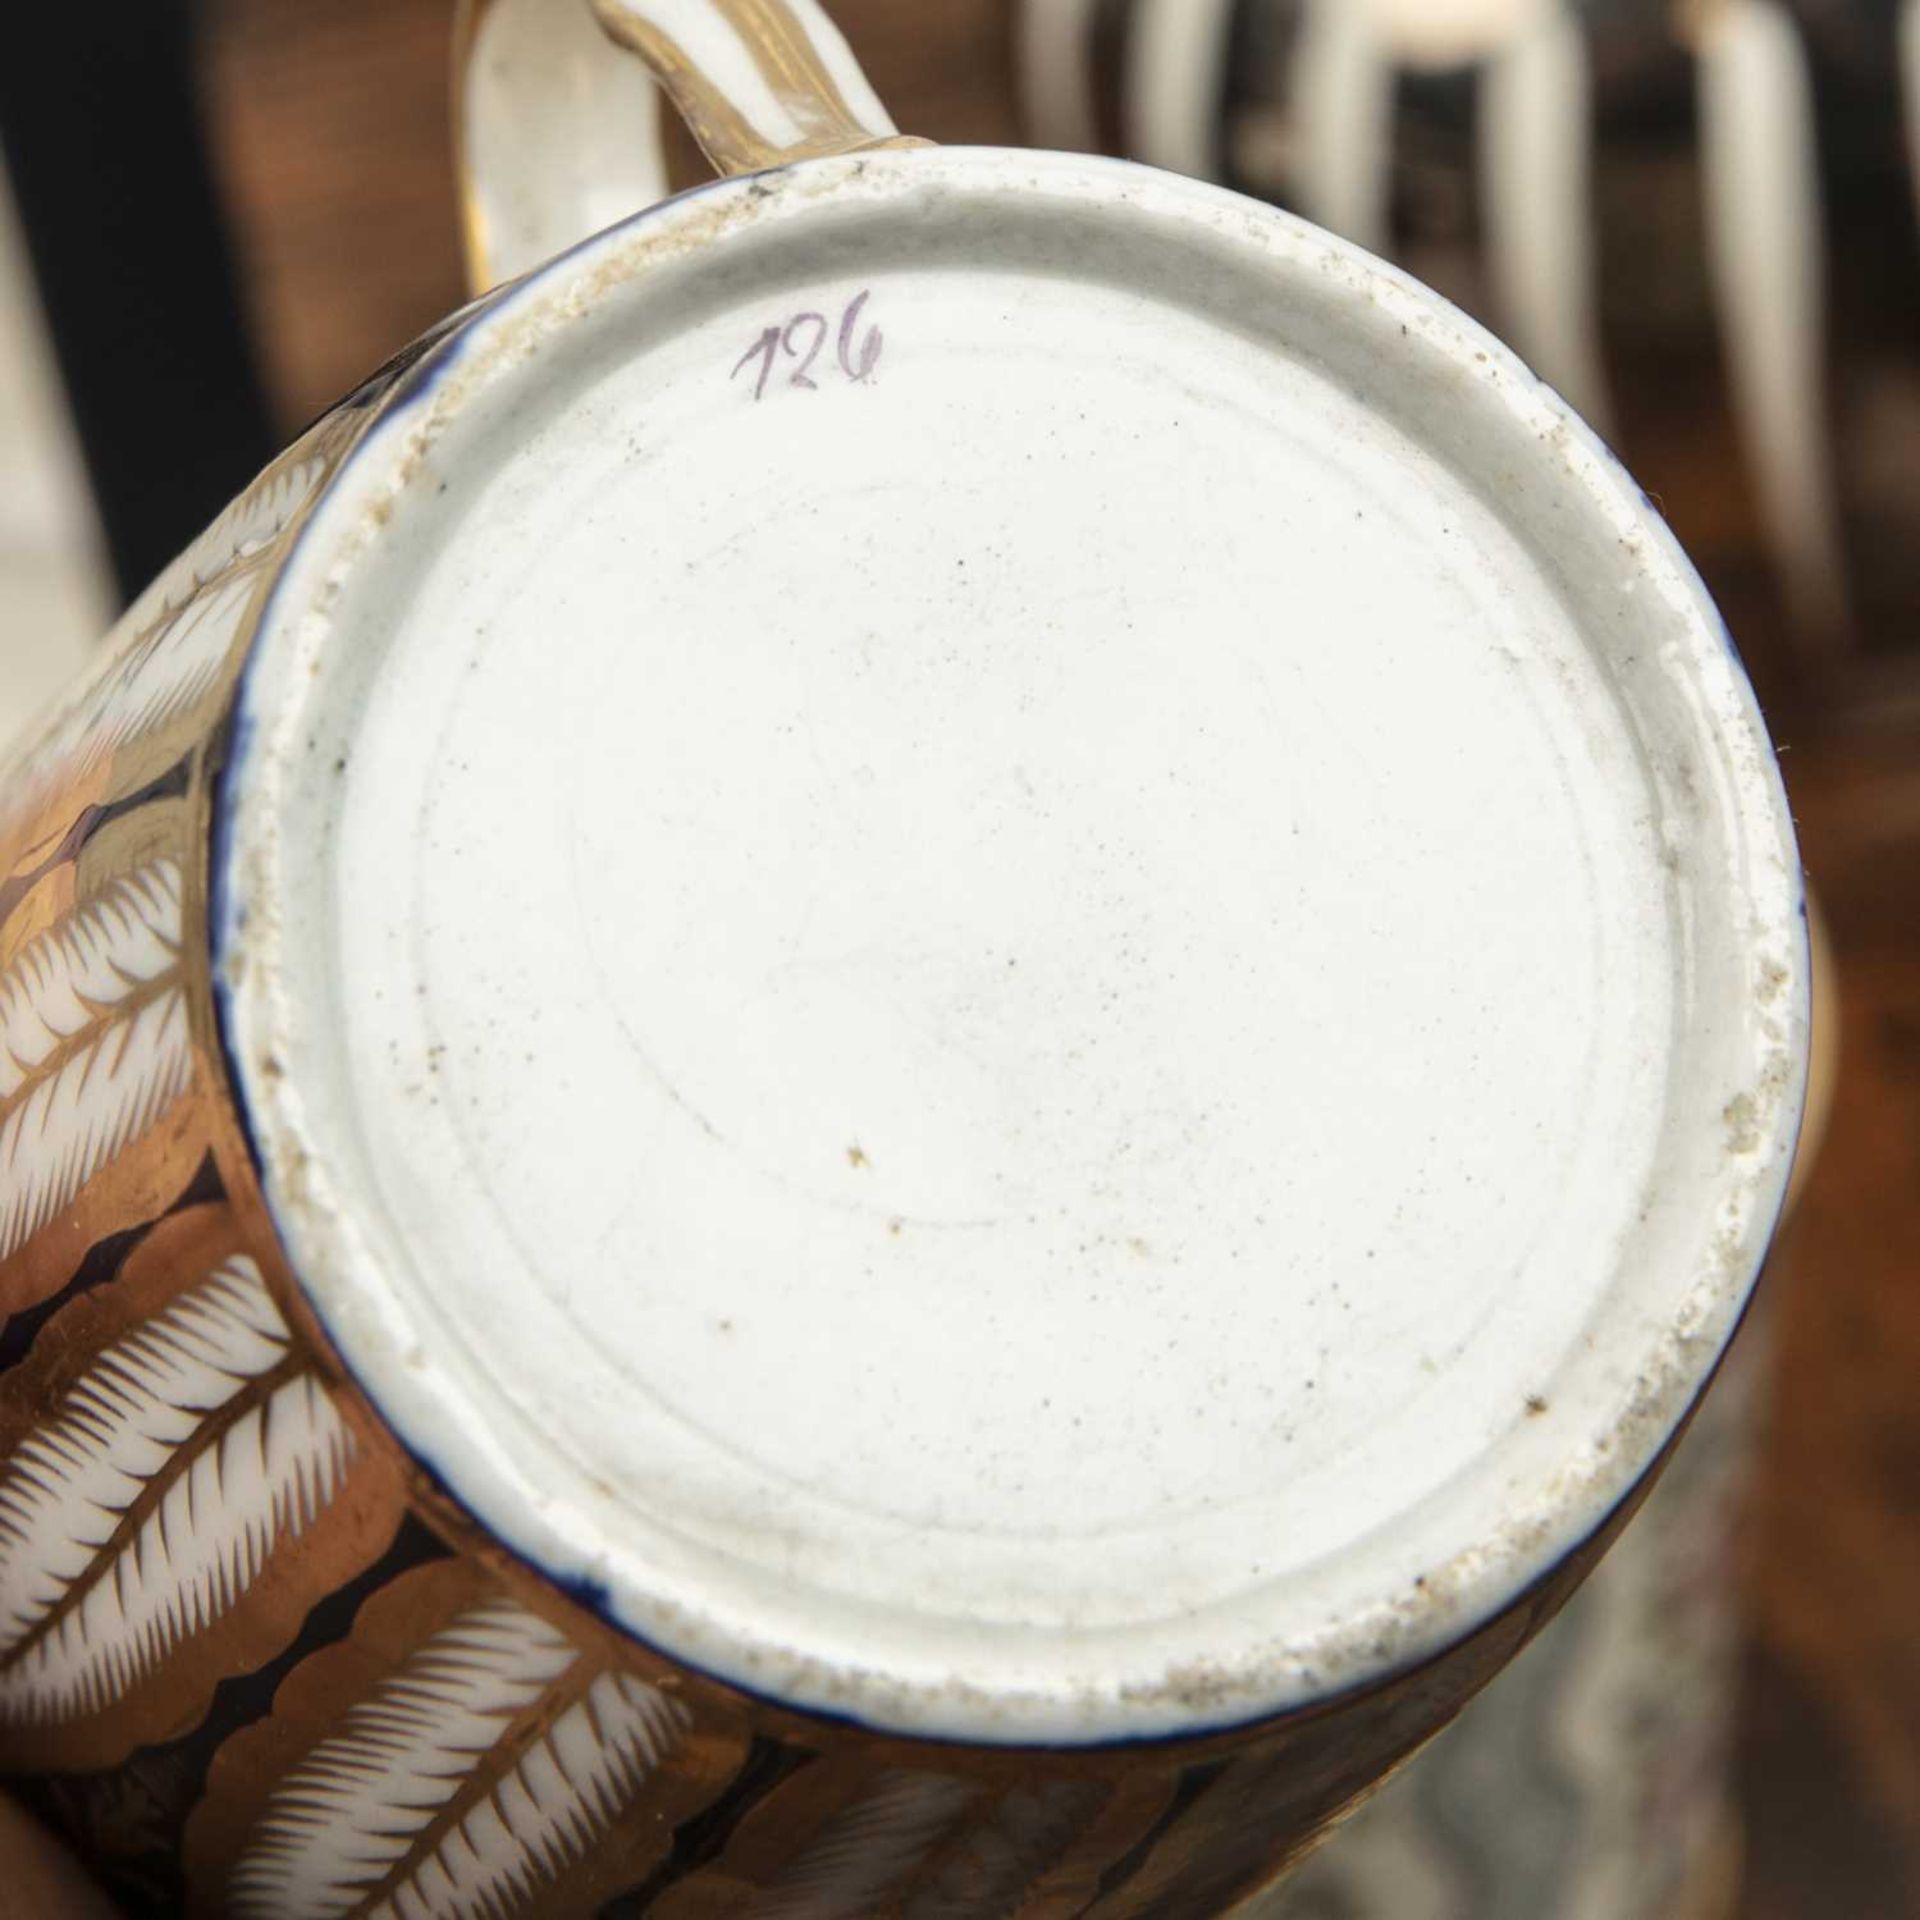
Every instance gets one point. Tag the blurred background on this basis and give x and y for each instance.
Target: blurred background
(1701, 220)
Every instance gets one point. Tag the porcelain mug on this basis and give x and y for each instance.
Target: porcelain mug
(896, 1057)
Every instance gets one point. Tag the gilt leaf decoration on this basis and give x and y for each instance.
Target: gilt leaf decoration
(94, 1044)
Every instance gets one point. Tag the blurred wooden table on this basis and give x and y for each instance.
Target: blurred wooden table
(1830, 1753)
(332, 124)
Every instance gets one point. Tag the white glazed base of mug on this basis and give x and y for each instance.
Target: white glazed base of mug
(1075, 1033)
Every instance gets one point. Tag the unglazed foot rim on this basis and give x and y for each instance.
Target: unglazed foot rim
(1082, 1033)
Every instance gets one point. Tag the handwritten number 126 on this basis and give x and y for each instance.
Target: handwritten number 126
(804, 338)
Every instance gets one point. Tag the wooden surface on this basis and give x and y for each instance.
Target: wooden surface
(1831, 1749)
(333, 131)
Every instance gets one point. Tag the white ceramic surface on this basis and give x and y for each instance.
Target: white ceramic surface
(1058, 92)
(1341, 90)
(1078, 1033)
(54, 599)
(534, 68)
(1177, 69)
(1767, 245)
(1536, 183)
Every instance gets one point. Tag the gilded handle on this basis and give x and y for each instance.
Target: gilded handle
(760, 82)
(559, 139)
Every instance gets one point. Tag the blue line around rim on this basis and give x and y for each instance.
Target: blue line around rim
(444, 349)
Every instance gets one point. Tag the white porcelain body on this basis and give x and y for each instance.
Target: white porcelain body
(1066, 1008)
